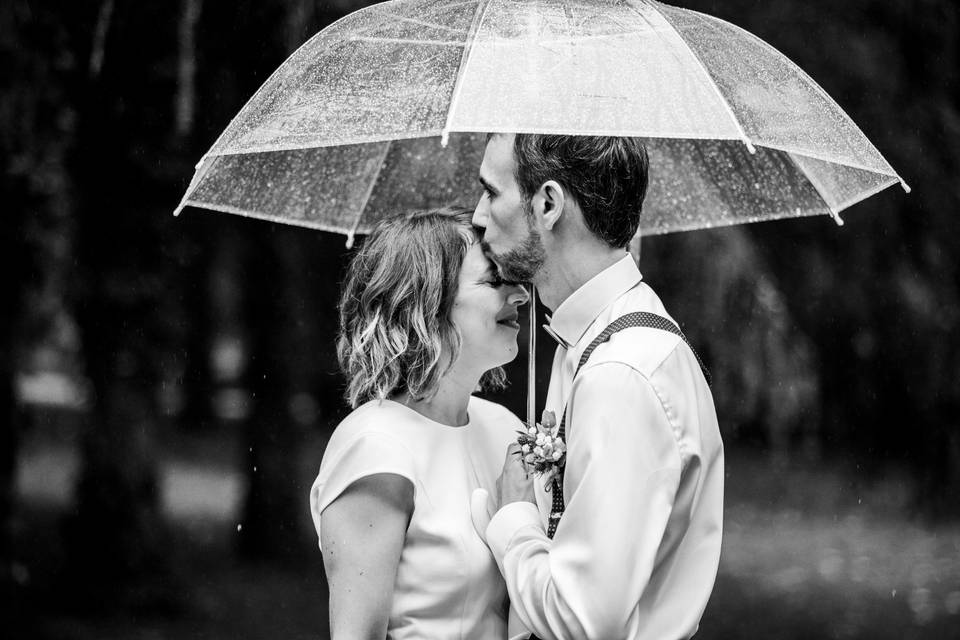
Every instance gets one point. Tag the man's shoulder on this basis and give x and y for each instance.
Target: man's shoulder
(642, 348)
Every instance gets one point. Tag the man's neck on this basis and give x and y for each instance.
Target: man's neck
(571, 270)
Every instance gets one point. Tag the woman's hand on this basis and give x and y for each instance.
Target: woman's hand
(362, 534)
(515, 484)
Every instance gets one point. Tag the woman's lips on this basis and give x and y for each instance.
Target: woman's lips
(510, 321)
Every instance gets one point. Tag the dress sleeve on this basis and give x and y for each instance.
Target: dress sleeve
(362, 455)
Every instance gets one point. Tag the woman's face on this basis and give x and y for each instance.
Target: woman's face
(485, 312)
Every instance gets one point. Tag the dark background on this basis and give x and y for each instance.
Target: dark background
(167, 384)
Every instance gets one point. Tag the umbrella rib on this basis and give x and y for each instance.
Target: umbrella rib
(875, 190)
(246, 213)
(437, 43)
(834, 212)
(366, 196)
(323, 144)
(422, 23)
(834, 160)
(276, 74)
(703, 67)
(584, 131)
(849, 202)
(816, 85)
(199, 174)
(461, 70)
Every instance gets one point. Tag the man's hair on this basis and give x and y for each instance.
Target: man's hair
(396, 334)
(607, 176)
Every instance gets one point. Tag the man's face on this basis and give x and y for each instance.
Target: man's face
(510, 238)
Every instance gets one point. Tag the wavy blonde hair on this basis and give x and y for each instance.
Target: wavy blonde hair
(396, 335)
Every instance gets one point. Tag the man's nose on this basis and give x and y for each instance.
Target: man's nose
(480, 213)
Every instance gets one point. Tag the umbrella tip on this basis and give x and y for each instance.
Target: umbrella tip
(444, 138)
(752, 149)
(906, 187)
(350, 238)
(836, 218)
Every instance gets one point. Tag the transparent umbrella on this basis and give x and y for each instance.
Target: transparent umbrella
(350, 127)
(386, 110)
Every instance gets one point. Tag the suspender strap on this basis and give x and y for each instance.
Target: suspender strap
(636, 319)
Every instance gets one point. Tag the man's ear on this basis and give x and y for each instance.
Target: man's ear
(548, 203)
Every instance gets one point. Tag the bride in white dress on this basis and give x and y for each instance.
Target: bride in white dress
(424, 320)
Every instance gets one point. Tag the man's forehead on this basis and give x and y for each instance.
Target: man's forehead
(498, 158)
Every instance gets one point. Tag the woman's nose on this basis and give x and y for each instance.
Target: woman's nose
(518, 295)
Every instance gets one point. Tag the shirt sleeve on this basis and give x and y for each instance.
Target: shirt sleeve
(622, 474)
(362, 455)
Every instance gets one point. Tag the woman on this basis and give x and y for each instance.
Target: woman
(424, 319)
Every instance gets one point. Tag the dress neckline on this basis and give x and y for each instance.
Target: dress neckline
(449, 427)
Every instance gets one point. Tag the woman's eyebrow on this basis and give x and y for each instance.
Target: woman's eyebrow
(491, 270)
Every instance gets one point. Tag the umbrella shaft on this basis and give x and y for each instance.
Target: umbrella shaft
(532, 359)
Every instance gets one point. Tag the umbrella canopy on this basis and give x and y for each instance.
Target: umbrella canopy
(348, 129)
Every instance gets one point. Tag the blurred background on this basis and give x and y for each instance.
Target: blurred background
(167, 385)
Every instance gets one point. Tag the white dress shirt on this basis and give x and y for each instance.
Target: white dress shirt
(636, 552)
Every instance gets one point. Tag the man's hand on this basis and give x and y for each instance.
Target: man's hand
(515, 484)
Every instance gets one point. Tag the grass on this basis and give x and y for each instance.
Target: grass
(817, 552)
(810, 551)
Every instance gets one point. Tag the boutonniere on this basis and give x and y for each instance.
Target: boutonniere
(542, 449)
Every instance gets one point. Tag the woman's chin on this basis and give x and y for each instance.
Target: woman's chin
(512, 352)
(506, 356)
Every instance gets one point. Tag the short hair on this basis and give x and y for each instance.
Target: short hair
(607, 176)
(396, 302)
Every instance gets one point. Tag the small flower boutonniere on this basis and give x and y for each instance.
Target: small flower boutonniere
(542, 449)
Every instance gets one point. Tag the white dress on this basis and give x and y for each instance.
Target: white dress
(448, 584)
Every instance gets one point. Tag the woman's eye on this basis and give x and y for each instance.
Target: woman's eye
(497, 282)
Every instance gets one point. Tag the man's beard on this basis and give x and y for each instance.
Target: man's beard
(523, 262)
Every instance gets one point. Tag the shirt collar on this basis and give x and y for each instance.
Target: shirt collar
(575, 314)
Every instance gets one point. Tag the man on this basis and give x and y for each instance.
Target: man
(635, 553)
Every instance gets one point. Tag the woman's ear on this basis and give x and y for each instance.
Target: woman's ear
(548, 203)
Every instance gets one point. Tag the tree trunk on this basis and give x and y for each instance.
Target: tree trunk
(116, 540)
(299, 20)
(185, 107)
(282, 321)
(8, 440)
(11, 245)
(36, 133)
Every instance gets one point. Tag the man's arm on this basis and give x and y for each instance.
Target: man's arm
(622, 474)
